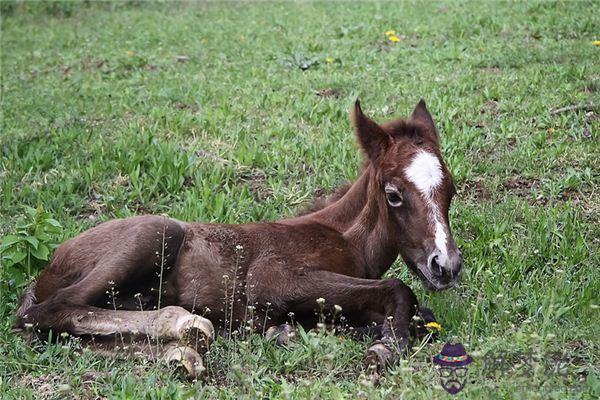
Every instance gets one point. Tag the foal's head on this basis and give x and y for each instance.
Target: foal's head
(414, 189)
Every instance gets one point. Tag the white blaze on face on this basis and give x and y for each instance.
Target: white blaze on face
(425, 172)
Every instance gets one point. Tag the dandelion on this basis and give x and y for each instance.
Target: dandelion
(596, 43)
(329, 60)
(392, 37)
(433, 326)
(129, 53)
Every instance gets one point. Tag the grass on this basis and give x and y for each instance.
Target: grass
(100, 120)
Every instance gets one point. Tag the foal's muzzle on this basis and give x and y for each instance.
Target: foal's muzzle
(444, 269)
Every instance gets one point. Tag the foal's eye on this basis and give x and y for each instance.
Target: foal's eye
(394, 199)
(393, 196)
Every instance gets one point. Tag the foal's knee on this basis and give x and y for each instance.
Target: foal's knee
(402, 294)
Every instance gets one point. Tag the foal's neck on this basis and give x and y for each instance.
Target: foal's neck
(363, 220)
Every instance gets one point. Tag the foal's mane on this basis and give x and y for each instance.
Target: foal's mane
(323, 200)
(320, 202)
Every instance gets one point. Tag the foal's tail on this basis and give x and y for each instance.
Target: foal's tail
(27, 301)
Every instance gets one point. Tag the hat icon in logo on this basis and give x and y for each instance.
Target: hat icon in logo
(453, 361)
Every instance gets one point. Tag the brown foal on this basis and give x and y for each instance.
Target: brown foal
(160, 272)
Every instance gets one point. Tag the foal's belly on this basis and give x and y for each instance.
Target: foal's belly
(206, 268)
(214, 260)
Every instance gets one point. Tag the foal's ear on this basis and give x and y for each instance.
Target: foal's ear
(371, 137)
(421, 114)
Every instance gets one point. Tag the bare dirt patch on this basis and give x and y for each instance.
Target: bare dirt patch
(193, 107)
(491, 107)
(476, 189)
(329, 92)
(256, 181)
(45, 386)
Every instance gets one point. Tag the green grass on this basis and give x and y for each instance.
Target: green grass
(100, 120)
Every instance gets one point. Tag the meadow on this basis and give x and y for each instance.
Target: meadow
(238, 112)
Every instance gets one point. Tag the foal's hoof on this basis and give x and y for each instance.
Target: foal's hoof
(379, 356)
(283, 334)
(186, 359)
(427, 314)
(420, 321)
(196, 332)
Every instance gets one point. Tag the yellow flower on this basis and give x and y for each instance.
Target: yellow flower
(330, 60)
(551, 130)
(394, 38)
(433, 326)
(130, 53)
(390, 33)
(596, 42)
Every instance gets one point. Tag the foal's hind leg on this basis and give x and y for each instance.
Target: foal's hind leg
(186, 335)
(183, 356)
(172, 353)
(114, 255)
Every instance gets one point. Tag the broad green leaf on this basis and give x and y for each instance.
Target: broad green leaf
(32, 240)
(9, 240)
(43, 237)
(17, 256)
(41, 253)
(54, 223)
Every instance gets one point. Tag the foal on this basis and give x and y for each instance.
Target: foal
(160, 272)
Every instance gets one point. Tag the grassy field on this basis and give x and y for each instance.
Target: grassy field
(237, 112)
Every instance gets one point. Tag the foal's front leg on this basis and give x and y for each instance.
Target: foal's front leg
(388, 302)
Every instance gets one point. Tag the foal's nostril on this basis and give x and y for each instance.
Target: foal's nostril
(436, 268)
